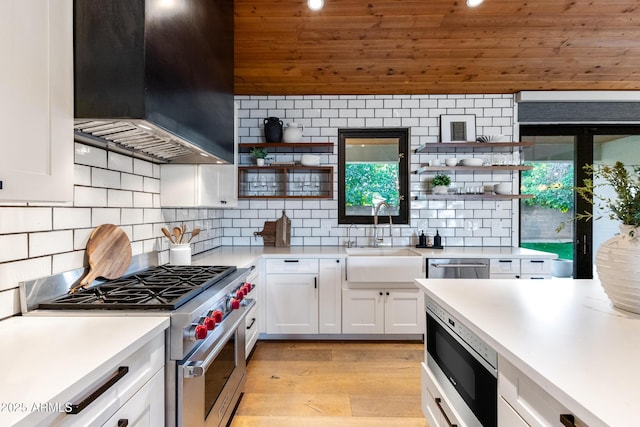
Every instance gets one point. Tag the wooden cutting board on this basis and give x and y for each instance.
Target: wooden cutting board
(109, 253)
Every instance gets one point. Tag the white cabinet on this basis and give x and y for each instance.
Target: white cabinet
(36, 108)
(330, 289)
(292, 303)
(145, 408)
(303, 296)
(132, 389)
(516, 268)
(252, 321)
(205, 185)
(382, 311)
(435, 406)
(528, 400)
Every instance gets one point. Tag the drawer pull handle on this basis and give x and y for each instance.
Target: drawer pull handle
(537, 261)
(505, 260)
(444, 414)
(567, 420)
(291, 260)
(76, 408)
(123, 422)
(253, 320)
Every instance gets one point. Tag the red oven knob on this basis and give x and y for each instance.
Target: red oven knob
(217, 315)
(210, 323)
(235, 304)
(198, 332)
(239, 294)
(247, 288)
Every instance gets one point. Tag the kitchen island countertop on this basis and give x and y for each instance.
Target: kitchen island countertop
(46, 360)
(562, 333)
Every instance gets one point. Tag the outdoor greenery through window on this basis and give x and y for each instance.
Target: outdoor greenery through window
(367, 184)
(551, 184)
(372, 168)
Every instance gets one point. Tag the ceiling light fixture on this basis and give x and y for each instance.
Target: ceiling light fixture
(315, 4)
(474, 3)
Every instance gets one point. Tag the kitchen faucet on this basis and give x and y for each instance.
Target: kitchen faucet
(350, 243)
(376, 239)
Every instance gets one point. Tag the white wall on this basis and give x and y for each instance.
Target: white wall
(314, 222)
(38, 240)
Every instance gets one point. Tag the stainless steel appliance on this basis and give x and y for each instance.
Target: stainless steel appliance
(205, 364)
(458, 268)
(464, 365)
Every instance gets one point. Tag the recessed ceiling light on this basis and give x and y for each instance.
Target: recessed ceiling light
(474, 3)
(315, 4)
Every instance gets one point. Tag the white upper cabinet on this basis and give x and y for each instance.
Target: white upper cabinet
(36, 107)
(212, 186)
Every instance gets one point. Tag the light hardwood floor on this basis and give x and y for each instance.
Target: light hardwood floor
(331, 384)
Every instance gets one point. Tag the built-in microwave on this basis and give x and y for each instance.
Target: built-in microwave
(464, 366)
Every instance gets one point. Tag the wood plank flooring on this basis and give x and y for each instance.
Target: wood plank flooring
(329, 384)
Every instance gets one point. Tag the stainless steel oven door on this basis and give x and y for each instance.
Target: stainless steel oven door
(210, 380)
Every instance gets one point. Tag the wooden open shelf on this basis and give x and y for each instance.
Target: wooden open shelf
(424, 169)
(447, 146)
(277, 182)
(482, 196)
(289, 147)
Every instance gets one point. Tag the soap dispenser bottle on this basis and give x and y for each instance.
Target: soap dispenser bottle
(437, 240)
(422, 240)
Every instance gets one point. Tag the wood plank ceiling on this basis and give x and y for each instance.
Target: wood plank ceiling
(435, 46)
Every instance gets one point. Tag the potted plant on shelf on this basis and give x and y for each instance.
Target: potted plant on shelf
(617, 259)
(260, 154)
(440, 184)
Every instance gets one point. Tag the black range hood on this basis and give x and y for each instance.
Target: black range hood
(156, 77)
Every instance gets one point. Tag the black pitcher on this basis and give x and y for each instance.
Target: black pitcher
(273, 129)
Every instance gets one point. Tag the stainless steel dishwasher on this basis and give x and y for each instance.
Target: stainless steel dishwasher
(457, 268)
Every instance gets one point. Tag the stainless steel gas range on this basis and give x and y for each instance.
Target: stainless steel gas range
(207, 305)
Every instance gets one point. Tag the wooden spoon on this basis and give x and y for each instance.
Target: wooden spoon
(165, 231)
(194, 233)
(177, 232)
(184, 231)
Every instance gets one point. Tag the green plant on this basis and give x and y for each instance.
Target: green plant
(259, 152)
(441, 180)
(551, 185)
(624, 206)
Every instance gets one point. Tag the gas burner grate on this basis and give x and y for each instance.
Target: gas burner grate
(163, 287)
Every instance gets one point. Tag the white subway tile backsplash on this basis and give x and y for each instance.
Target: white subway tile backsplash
(143, 167)
(105, 178)
(88, 196)
(151, 185)
(90, 156)
(24, 219)
(101, 216)
(132, 182)
(142, 200)
(81, 237)
(67, 261)
(13, 247)
(137, 216)
(50, 242)
(69, 218)
(12, 273)
(120, 162)
(119, 199)
(82, 175)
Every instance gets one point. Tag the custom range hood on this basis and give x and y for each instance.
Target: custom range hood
(155, 77)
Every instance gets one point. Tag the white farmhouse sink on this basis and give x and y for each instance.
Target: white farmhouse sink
(383, 265)
(381, 252)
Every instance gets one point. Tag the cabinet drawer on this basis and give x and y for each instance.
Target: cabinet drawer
(145, 408)
(501, 276)
(292, 265)
(435, 405)
(530, 401)
(535, 266)
(504, 265)
(536, 276)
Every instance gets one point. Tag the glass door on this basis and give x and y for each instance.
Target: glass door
(558, 157)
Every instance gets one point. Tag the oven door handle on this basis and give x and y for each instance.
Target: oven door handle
(195, 367)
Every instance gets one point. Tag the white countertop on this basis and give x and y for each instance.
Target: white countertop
(244, 256)
(43, 358)
(563, 333)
